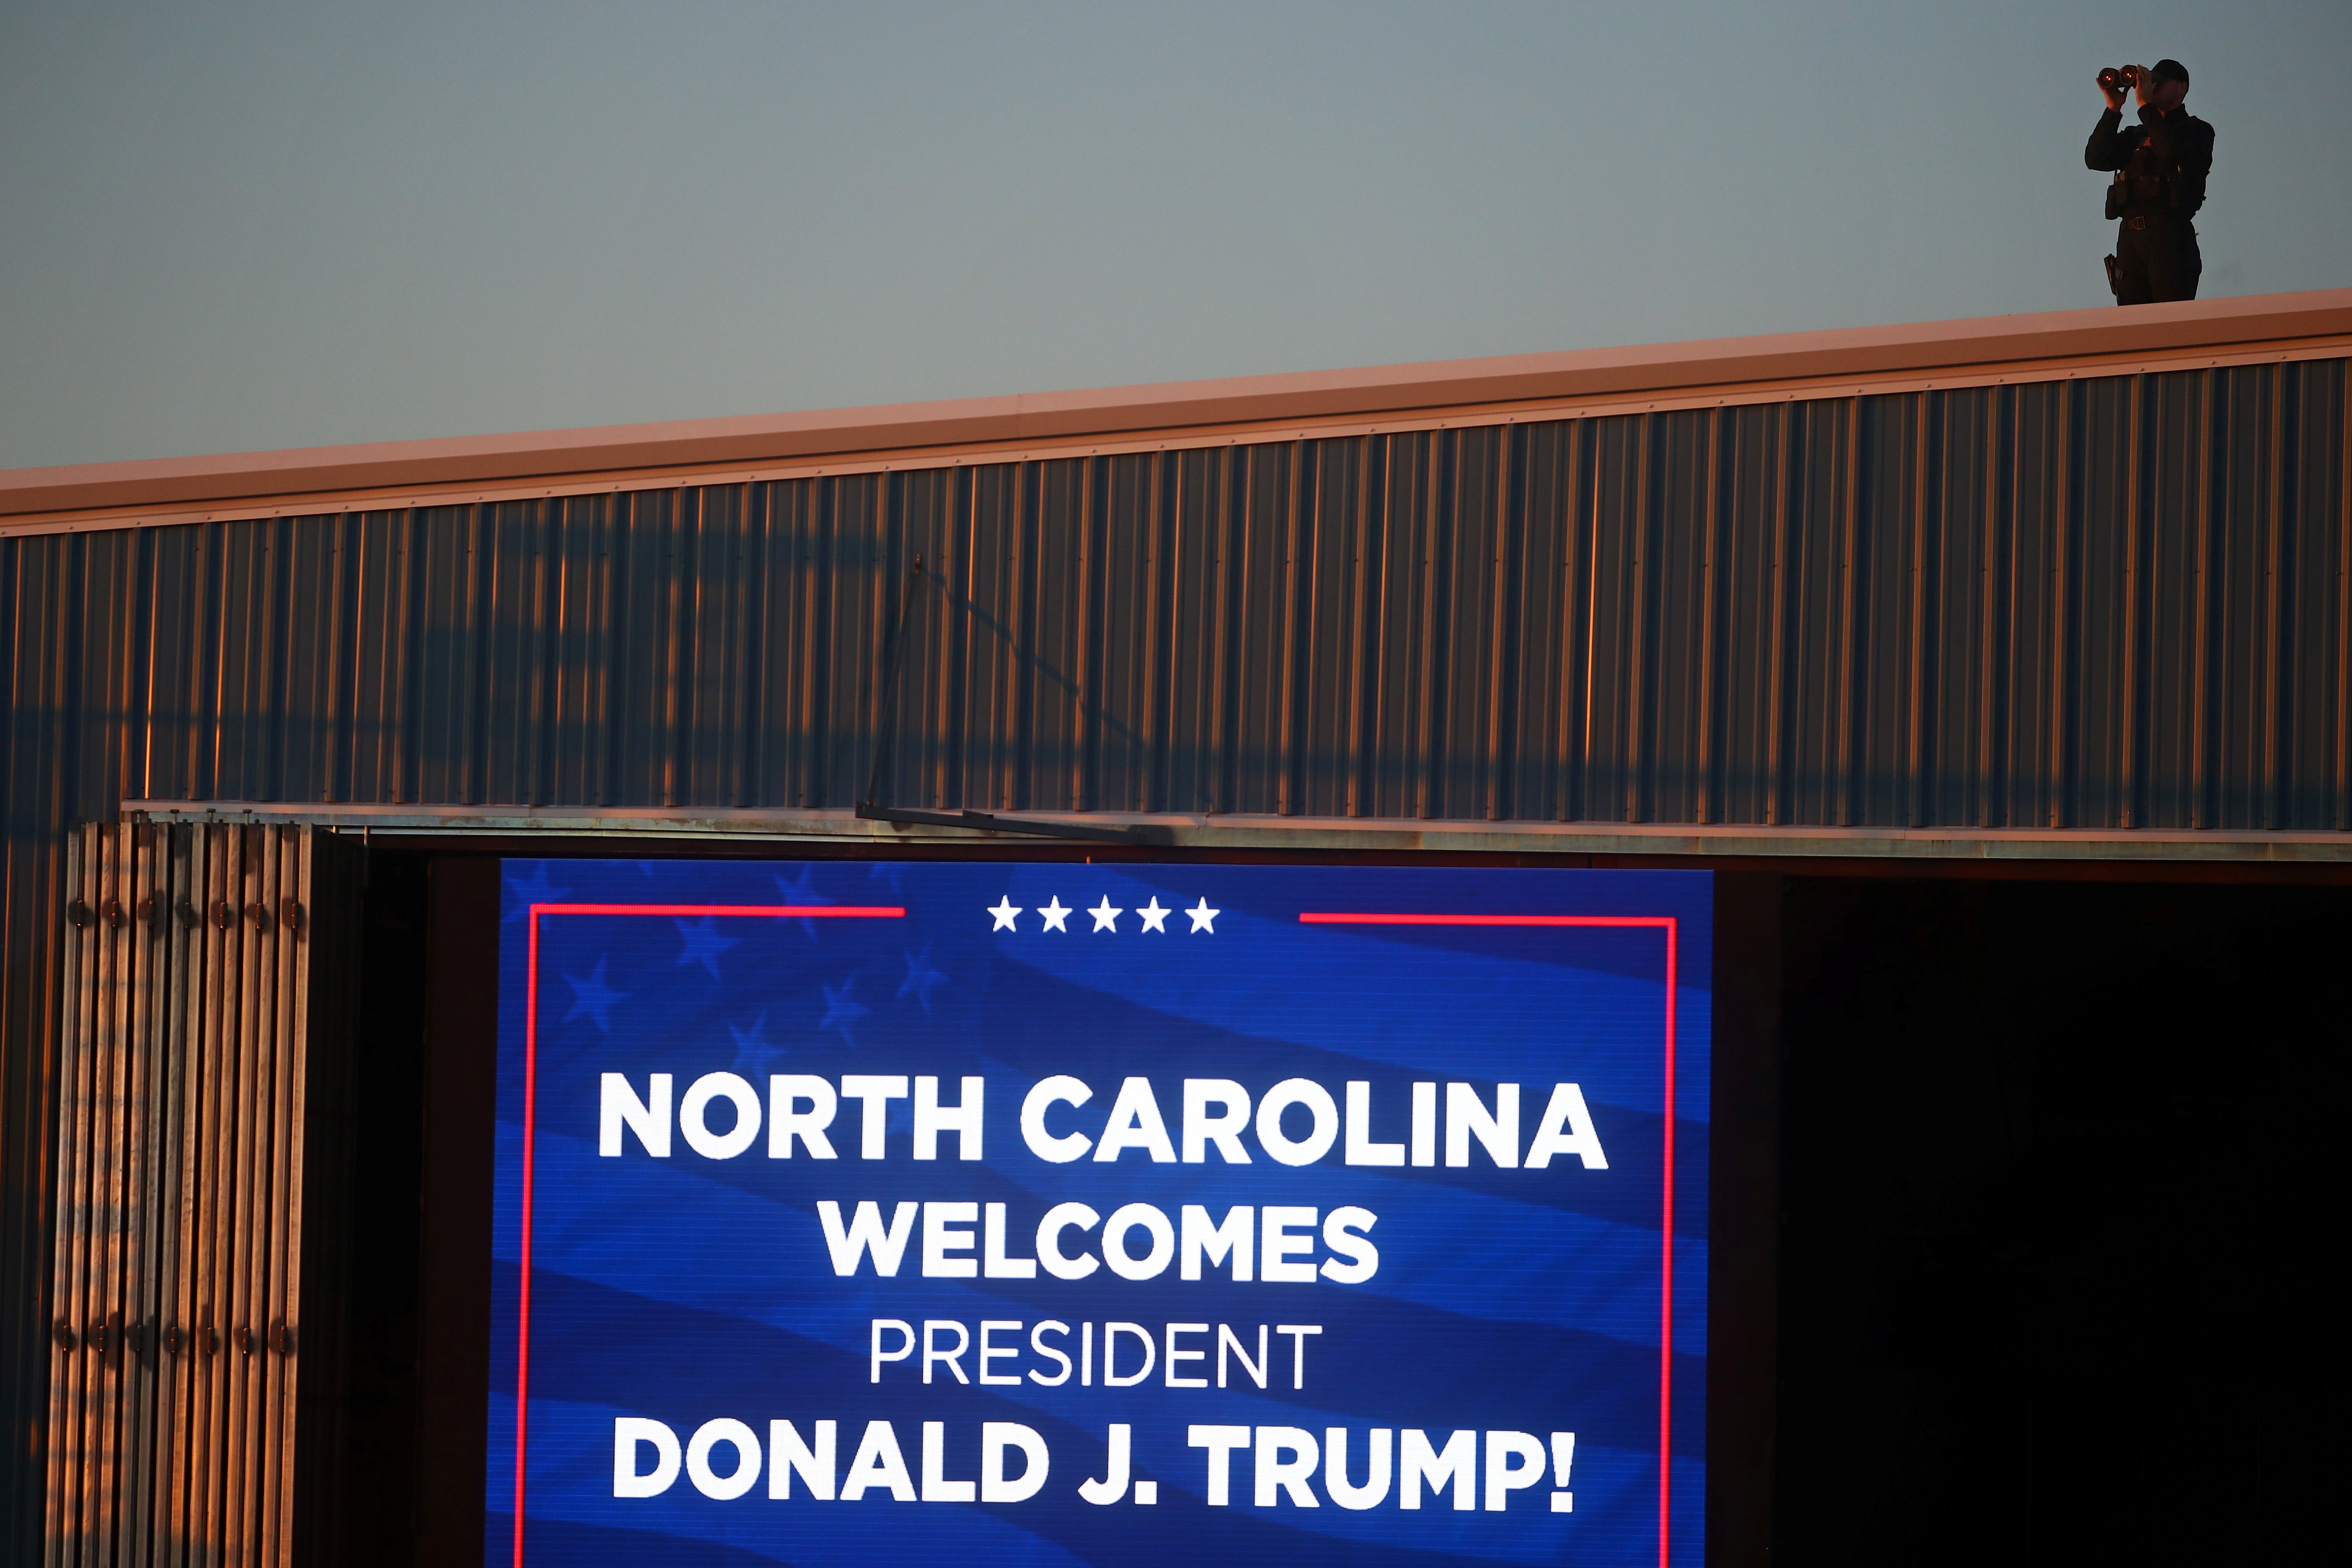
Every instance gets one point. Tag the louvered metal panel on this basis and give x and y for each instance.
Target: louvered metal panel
(190, 1308)
(2113, 603)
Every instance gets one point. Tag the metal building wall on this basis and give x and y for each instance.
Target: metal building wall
(2112, 603)
(203, 1134)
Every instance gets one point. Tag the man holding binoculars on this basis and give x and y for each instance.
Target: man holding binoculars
(2159, 166)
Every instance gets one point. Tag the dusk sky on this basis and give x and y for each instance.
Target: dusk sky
(231, 227)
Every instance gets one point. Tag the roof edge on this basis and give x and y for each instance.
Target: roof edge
(2138, 331)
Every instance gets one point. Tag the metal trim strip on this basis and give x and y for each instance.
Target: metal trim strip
(1294, 833)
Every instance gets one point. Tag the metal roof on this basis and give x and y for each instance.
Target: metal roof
(2006, 350)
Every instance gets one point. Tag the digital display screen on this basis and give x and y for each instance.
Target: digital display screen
(854, 1213)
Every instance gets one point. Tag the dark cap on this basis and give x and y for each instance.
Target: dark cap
(2169, 70)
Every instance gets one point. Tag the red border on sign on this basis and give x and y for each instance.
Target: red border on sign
(531, 1099)
(1666, 1226)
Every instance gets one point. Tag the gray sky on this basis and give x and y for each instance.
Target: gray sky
(228, 227)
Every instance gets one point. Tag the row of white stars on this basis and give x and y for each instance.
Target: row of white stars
(1203, 917)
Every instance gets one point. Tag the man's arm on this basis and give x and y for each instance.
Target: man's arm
(2192, 149)
(2109, 147)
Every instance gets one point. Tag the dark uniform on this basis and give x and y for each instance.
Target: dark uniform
(2161, 167)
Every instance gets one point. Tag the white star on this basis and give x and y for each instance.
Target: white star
(1055, 915)
(1154, 917)
(1004, 912)
(1106, 918)
(1204, 918)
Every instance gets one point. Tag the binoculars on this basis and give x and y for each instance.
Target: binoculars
(2120, 79)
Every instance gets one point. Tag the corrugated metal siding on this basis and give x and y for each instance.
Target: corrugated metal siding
(203, 1127)
(2117, 603)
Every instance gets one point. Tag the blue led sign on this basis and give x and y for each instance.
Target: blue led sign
(854, 1213)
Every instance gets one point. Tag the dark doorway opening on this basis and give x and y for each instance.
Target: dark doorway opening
(2058, 1230)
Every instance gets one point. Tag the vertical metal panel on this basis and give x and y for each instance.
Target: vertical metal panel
(1124, 673)
(177, 919)
(1741, 662)
(68, 1440)
(178, 1282)
(2118, 602)
(321, 883)
(143, 1225)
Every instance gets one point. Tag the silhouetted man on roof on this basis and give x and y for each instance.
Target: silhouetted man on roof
(2159, 166)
